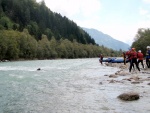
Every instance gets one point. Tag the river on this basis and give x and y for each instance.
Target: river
(61, 86)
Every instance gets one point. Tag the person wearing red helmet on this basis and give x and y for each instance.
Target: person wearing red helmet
(140, 57)
(148, 56)
(133, 54)
(128, 54)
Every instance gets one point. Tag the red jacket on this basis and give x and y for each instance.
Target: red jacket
(128, 55)
(133, 54)
(140, 56)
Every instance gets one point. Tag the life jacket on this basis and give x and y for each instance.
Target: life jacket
(140, 56)
(148, 54)
(128, 54)
(124, 55)
(133, 54)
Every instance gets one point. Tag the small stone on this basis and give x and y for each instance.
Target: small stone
(112, 81)
(129, 79)
(112, 76)
(148, 84)
(136, 78)
(100, 83)
(135, 82)
(38, 69)
(105, 75)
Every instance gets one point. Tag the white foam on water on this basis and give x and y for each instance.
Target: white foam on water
(19, 68)
(16, 76)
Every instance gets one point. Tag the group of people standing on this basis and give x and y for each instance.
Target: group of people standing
(136, 58)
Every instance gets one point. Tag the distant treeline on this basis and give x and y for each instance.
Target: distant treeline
(16, 45)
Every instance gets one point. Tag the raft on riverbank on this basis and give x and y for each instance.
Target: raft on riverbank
(114, 60)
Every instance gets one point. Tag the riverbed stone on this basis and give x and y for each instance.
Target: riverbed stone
(113, 76)
(123, 67)
(129, 96)
(135, 82)
(136, 78)
(106, 75)
(38, 69)
(148, 84)
(112, 81)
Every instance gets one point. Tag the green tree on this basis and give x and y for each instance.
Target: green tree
(61, 50)
(33, 29)
(53, 45)
(142, 40)
(3, 46)
(69, 48)
(27, 15)
(28, 45)
(6, 22)
(48, 33)
(9, 45)
(44, 49)
(76, 49)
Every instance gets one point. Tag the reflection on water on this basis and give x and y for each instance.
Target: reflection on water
(61, 86)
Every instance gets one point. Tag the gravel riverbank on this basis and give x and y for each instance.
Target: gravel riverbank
(130, 82)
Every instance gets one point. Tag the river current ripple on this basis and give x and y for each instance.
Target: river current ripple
(61, 86)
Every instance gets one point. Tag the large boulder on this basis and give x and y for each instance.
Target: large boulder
(129, 96)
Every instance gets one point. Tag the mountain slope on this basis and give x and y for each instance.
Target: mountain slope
(106, 40)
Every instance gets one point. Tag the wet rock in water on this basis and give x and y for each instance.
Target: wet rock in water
(105, 75)
(100, 83)
(128, 79)
(129, 96)
(112, 81)
(148, 79)
(135, 82)
(38, 69)
(113, 76)
(148, 84)
(118, 72)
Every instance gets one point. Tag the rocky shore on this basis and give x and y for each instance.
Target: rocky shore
(124, 77)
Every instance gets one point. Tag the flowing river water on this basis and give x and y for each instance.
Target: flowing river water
(61, 86)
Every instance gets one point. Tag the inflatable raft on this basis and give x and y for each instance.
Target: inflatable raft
(114, 60)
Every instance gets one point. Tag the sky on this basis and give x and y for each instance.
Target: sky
(120, 19)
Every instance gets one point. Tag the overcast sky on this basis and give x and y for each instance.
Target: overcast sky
(117, 18)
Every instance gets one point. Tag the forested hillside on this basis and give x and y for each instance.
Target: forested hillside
(30, 30)
(38, 19)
